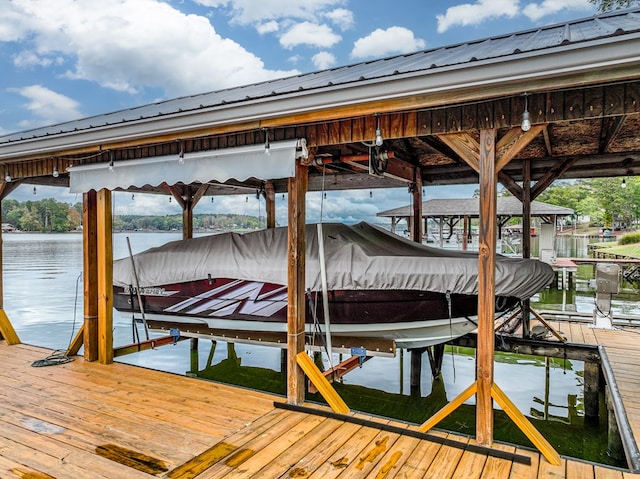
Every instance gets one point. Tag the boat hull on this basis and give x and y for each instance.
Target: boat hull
(412, 319)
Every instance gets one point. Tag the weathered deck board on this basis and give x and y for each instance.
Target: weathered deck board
(54, 420)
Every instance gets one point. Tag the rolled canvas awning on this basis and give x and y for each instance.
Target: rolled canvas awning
(241, 163)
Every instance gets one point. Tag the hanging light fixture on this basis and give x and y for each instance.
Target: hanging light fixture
(526, 123)
(34, 190)
(379, 140)
(111, 165)
(55, 172)
(624, 183)
(7, 177)
(181, 157)
(267, 145)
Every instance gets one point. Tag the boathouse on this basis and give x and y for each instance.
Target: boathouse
(522, 110)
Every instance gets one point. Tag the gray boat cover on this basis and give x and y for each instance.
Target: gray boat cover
(358, 257)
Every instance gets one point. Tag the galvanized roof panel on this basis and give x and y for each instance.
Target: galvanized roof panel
(594, 29)
(506, 206)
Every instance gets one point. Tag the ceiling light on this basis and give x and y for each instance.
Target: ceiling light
(55, 172)
(379, 139)
(526, 123)
(7, 177)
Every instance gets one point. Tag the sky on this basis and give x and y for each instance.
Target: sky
(66, 59)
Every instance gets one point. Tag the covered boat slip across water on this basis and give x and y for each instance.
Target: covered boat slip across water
(378, 284)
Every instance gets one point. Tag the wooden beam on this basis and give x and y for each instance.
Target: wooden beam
(610, 129)
(296, 283)
(417, 207)
(449, 408)
(76, 343)
(6, 329)
(513, 142)
(525, 426)
(486, 286)
(510, 184)
(551, 175)
(105, 277)
(465, 146)
(322, 385)
(90, 274)
(145, 345)
(270, 199)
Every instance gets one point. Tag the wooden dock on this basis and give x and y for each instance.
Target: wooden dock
(87, 420)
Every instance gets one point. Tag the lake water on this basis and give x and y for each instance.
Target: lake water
(43, 299)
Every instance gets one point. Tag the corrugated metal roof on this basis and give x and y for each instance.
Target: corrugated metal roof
(506, 206)
(592, 29)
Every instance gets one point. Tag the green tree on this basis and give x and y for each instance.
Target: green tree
(608, 5)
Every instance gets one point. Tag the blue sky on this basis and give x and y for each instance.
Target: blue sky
(67, 59)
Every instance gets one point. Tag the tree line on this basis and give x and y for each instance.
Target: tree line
(51, 216)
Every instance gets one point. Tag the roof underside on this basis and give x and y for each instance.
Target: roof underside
(506, 206)
(582, 80)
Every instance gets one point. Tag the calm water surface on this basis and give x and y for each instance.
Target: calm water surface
(43, 299)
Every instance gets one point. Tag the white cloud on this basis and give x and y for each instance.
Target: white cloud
(476, 13)
(48, 106)
(385, 42)
(312, 34)
(128, 45)
(535, 11)
(323, 60)
(248, 12)
(268, 27)
(341, 17)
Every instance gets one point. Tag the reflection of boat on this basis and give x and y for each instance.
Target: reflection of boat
(379, 285)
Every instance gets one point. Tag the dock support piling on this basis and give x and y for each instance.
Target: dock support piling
(591, 392)
(415, 373)
(615, 448)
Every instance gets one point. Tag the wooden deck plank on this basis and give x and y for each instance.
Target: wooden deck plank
(606, 473)
(204, 429)
(445, 462)
(319, 453)
(579, 470)
(263, 456)
(419, 461)
(497, 468)
(524, 471)
(299, 450)
(345, 455)
(246, 452)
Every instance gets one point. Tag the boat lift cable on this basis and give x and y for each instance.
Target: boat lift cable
(58, 356)
(449, 307)
(323, 278)
(135, 277)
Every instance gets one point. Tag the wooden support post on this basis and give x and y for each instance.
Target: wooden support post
(465, 233)
(417, 207)
(615, 448)
(296, 282)
(436, 356)
(415, 372)
(194, 354)
(6, 328)
(486, 286)
(90, 274)
(526, 240)
(187, 214)
(105, 277)
(270, 199)
(591, 392)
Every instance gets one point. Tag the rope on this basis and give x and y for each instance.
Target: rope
(54, 359)
(60, 357)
